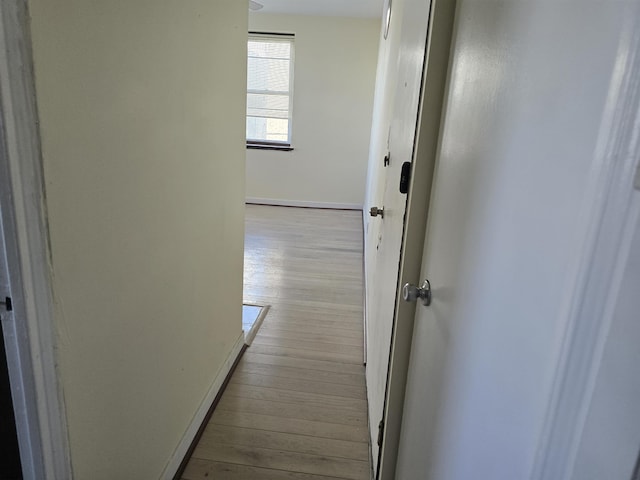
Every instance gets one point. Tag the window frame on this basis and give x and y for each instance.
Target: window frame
(275, 144)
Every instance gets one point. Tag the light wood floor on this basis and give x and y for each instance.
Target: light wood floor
(296, 406)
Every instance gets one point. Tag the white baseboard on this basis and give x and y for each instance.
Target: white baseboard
(302, 203)
(180, 452)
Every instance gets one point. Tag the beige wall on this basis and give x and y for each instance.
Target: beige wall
(142, 116)
(334, 79)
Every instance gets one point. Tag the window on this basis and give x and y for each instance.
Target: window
(269, 90)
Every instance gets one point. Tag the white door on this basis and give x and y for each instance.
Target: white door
(516, 191)
(402, 137)
(422, 50)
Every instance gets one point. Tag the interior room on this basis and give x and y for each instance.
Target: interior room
(313, 240)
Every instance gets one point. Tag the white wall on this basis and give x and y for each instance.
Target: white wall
(334, 77)
(142, 119)
(611, 437)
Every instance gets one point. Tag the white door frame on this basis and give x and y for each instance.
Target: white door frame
(432, 97)
(613, 213)
(29, 331)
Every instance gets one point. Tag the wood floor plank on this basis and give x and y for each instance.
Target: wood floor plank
(288, 396)
(300, 411)
(307, 354)
(279, 360)
(322, 296)
(283, 460)
(298, 385)
(295, 310)
(328, 337)
(299, 372)
(295, 407)
(250, 437)
(333, 310)
(290, 425)
(309, 327)
(300, 323)
(200, 469)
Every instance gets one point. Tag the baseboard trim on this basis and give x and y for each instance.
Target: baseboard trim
(303, 204)
(176, 466)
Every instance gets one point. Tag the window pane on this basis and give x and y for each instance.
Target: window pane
(268, 74)
(268, 89)
(268, 129)
(261, 105)
(269, 48)
(256, 128)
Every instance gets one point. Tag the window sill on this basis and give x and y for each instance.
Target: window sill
(269, 146)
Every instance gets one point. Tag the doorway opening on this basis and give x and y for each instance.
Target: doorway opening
(10, 466)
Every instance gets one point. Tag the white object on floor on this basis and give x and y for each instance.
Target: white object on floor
(252, 316)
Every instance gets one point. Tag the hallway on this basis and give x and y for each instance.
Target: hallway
(295, 407)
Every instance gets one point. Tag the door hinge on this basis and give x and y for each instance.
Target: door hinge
(8, 304)
(380, 432)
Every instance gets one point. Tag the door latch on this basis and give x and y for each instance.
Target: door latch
(405, 177)
(8, 304)
(376, 212)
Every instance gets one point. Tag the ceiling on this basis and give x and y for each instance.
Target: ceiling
(333, 8)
